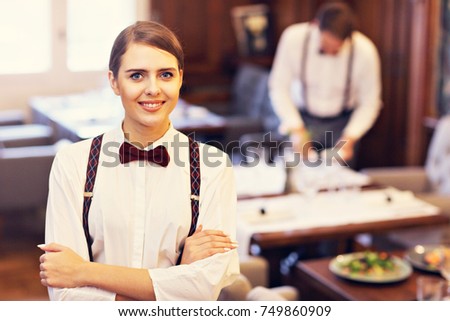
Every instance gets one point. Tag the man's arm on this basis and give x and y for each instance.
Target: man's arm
(368, 92)
(281, 77)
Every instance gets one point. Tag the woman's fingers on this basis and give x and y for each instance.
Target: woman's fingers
(59, 266)
(205, 243)
(198, 229)
(211, 242)
(51, 247)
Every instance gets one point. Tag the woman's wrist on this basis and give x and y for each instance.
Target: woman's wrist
(84, 271)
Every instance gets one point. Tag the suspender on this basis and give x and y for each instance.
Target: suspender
(303, 65)
(94, 154)
(91, 173)
(194, 158)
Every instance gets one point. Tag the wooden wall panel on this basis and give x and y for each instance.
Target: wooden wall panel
(205, 28)
(392, 40)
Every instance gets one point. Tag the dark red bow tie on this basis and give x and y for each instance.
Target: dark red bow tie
(158, 155)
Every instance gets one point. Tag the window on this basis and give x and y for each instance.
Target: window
(58, 47)
(76, 35)
(25, 36)
(91, 32)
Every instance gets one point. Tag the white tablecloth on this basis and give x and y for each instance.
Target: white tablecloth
(293, 211)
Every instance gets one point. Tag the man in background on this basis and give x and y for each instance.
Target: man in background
(325, 83)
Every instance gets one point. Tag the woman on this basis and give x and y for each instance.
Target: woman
(136, 228)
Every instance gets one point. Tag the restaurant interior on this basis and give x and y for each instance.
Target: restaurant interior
(299, 229)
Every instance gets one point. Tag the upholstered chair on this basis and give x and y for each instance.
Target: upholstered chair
(25, 135)
(12, 117)
(24, 175)
(252, 284)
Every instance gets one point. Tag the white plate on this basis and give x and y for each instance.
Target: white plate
(403, 269)
(416, 254)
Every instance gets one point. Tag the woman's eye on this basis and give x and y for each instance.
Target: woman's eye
(166, 75)
(136, 76)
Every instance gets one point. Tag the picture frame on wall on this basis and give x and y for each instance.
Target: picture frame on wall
(253, 30)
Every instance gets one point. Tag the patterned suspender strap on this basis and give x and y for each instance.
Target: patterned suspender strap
(194, 160)
(91, 173)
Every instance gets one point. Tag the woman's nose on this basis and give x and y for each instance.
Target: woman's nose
(152, 88)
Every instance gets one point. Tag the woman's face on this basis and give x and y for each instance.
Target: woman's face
(148, 82)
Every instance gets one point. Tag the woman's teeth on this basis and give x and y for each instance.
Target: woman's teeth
(151, 105)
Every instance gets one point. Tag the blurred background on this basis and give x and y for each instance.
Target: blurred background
(54, 55)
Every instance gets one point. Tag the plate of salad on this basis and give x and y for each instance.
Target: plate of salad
(427, 257)
(371, 267)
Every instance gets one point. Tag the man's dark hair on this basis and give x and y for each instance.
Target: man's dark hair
(337, 18)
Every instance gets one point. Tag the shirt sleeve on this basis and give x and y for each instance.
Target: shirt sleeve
(281, 77)
(204, 279)
(368, 92)
(64, 222)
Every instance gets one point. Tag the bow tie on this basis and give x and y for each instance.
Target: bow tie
(158, 155)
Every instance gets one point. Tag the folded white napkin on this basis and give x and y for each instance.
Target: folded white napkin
(260, 180)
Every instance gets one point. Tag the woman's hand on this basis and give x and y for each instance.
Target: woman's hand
(203, 244)
(60, 266)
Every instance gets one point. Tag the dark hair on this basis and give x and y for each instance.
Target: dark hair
(337, 18)
(146, 32)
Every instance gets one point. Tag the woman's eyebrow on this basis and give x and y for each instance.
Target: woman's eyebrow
(136, 70)
(144, 70)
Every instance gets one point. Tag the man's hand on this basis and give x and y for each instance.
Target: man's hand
(302, 144)
(300, 140)
(346, 151)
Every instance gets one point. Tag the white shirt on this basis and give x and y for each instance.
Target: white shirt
(325, 80)
(141, 214)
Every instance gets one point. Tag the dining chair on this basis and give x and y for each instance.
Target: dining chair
(249, 109)
(25, 135)
(24, 175)
(253, 120)
(12, 117)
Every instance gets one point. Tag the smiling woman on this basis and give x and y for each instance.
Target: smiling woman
(135, 236)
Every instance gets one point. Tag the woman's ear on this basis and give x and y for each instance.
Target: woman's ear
(113, 83)
(181, 77)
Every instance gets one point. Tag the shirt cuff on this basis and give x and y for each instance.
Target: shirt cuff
(80, 294)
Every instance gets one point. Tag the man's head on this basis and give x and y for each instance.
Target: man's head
(336, 22)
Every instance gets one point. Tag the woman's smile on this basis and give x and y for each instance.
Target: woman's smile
(152, 106)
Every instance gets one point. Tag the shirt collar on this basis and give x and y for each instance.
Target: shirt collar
(173, 140)
(165, 140)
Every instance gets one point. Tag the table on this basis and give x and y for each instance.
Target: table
(85, 115)
(273, 240)
(316, 282)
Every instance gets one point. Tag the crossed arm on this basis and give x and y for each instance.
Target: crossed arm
(61, 267)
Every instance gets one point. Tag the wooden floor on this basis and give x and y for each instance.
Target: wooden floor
(19, 264)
